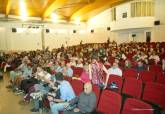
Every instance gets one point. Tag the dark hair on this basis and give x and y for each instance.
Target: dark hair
(59, 76)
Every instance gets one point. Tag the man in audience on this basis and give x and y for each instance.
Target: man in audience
(115, 70)
(66, 92)
(84, 104)
(140, 66)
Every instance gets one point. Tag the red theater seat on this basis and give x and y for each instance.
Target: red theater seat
(147, 76)
(134, 106)
(130, 73)
(155, 68)
(118, 80)
(110, 102)
(160, 78)
(154, 93)
(96, 90)
(77, 86)
(77, 71)
(132, 87)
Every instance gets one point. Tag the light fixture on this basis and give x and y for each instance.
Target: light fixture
(93, 20)
(77, 20)
(23, 11)
(20, 30)
(54, 17)
(82, 31)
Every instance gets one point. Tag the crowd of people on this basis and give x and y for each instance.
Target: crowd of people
(40, 74)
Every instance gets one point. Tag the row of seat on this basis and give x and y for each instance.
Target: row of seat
(111, 103)
(145, 76)
(154, 75)
(152, 92)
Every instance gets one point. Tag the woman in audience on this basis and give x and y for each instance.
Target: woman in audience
(85, 75)
(96, 70)
(18, 71)
(68, 70)
(27, 72)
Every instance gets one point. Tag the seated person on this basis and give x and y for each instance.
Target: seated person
(84, 76)
(79, 63)
(85, 103)
(66, 94)
(27, 72)
(115, 70)
(140, 66)
(17, 72)
(68, 70)
(43, 78)
(127, 64)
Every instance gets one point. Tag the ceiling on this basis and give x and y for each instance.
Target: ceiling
(65, 9)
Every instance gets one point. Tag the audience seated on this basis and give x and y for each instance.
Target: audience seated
(95, 59)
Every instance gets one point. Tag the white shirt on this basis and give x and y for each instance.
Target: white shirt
(115, 71)
(79, 65)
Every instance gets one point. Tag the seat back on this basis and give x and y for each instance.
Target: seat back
(160, 78)
(130, 73)
(147, 76)
(118, 80)
(155, 68)
(77, 86)
(132, 87)
(69, 79)
(96, 90)
(77, 71)
(134, 106)
(110, 102)
(154, 93)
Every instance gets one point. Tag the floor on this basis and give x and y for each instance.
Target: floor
(9, 101)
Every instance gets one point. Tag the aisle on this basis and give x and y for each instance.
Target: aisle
(9, 102)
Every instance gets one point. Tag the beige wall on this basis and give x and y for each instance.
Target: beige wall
(159, 30)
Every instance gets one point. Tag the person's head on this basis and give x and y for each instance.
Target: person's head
(79, 61)
(39, 69)
(140, 63)
(115, 65)
(117, 60)
(94, 58)
(59, 77)
(68, 65)
(62, 63)
(88, 87)
(57, 63)
(127, 63)
(29, 65)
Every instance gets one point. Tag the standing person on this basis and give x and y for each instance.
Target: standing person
(96, 70)
(85, 103)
